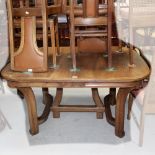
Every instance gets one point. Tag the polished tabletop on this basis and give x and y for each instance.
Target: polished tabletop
(93, 69)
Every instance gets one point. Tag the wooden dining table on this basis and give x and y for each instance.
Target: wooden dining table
(93, 74)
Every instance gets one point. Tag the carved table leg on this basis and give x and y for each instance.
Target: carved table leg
(98, 102)
(48, 101)
(109, 100)
(34, 120)
(113, 96)
(45, 92)
(56, 103)
(32, 111)
(120, 109)
(118, 120)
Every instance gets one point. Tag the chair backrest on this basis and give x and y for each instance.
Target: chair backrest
(92, 19)
(142, 12)
(53, 7)
(79, 11)
(91, 10)
(28, 56)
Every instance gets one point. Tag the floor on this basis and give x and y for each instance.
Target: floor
(72, 134)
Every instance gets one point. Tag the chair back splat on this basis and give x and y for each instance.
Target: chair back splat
(91, 8)
(28, 56)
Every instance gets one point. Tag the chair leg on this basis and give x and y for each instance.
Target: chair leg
(141, 129)
(120, 45)
(56, 103)
(130, 102)
(131, 42)
(98, 102)
(53, 42)
(57, 37)
(72, 39)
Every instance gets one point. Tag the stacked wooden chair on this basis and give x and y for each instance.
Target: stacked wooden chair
(53, 9)
(90, 23)
(29, 56)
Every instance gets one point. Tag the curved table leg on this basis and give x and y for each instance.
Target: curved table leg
(45, 92)
(120, 109)
(98, 102)
(34, 120)
(32, 110)
(47, 100)
(112, 99)
(109, 100)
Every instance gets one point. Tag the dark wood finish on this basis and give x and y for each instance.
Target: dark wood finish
(118, 120)
(92, 75)
(110, 100)
(113, 96)
(110, 119)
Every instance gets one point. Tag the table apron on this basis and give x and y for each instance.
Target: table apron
(14, 84)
